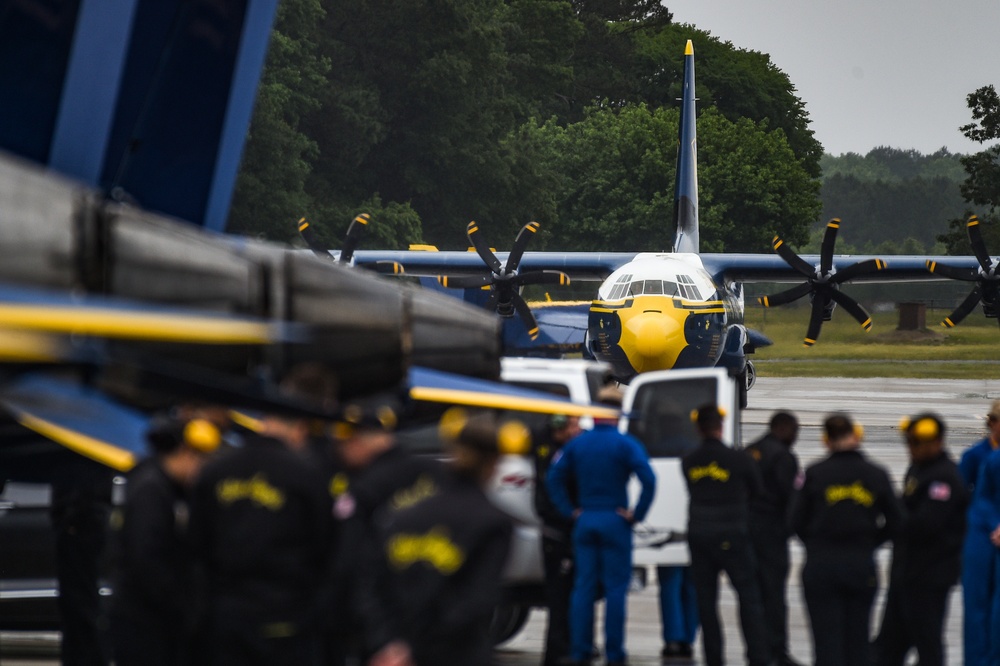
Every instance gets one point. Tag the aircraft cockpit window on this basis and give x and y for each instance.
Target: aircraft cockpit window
(646, 287)
(687, 288)
(621, 286)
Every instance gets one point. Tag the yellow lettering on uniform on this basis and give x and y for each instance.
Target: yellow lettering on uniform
(712, 471)
(255, 489)
(338, 484)
(855, 492)
(911, 486)
(421, 489)
(434, 548)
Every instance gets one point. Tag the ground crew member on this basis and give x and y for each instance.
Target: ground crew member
(262, 528)
(979, 582)
(926, 555)
(557, 539)
(721, 482)
(769, 525)
(446, 552)
(152, 606)
(600, 463)
(844, 510)
(382, 479)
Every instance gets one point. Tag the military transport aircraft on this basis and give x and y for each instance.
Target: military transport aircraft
(682, 308)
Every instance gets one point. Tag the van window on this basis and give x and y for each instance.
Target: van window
(661, 417)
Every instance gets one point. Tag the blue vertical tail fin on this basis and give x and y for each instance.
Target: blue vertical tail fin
(686, 187)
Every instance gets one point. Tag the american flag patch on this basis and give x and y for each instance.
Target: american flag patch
(939, 491)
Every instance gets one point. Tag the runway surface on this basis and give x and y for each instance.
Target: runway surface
(876, 403)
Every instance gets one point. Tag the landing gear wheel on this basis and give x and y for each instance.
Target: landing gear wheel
(507, 621)
(744, 382)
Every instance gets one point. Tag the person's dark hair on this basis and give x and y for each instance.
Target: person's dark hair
(837, 426)
(784, 426)
(925, 427)
(313, 383)
(708, 418)
(165, 434)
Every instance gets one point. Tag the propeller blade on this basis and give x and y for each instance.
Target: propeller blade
(815, 319)
(543, 277)
(854, 308)
(787, 296)
(967, 274)
(526, 316)
(520, 244)
(860, 268)
(826, 249)
(312, 242)
(964, 308)
(792, 259)
(354, 234)
(978, 244)
(482, 248)
(464, 281)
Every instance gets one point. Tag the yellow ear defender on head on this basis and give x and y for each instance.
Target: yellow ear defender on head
(513, 439)
(451, 423)
(923, 430)
(203, 435)
(859, 431)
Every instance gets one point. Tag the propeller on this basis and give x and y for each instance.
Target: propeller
(987, 287)
(823, 283)
(351, 241)
(505, 280)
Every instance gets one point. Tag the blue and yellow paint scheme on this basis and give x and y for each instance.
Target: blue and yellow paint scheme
(658, 312)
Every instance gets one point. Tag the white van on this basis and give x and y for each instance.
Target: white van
(656, 410)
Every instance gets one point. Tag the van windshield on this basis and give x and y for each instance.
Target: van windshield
(661, 415)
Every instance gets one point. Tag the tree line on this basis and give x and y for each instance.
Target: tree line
(431, 113)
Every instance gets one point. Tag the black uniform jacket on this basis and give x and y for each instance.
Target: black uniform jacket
(778, 468)
(447, 554)
(394, 481)
(261, 524)
(929, 549)
(154, 566)
(721, 482)
(557, 525)
(846, 503)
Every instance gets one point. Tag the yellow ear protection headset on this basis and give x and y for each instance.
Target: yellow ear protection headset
(924, 429)
(202, 435)
(512, 437)
(859, 433)
(694, 414)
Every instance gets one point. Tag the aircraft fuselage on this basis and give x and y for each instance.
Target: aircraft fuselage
(661, 311)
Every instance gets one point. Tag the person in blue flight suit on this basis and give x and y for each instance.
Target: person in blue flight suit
(678, 611)
(978, 553)
(600, 463)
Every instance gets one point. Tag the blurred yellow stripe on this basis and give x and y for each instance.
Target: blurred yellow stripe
(475, 399)
(132, 325)
(95, 449)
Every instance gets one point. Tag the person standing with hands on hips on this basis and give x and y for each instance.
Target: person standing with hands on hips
(600, 463)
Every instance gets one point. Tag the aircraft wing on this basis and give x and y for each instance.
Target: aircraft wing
(773, 268)
(79, 417)
(577, 265)
(441, 387)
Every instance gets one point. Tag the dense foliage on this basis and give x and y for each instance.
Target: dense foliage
(429, 113)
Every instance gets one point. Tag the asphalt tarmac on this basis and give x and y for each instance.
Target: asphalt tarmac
(878, 404)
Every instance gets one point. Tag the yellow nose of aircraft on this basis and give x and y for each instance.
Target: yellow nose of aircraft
(652, 341)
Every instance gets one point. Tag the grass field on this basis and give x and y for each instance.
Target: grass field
(968, 351)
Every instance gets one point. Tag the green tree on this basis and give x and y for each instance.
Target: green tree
(739, 83)
(982, 184)
(271, 191)
(616, 188)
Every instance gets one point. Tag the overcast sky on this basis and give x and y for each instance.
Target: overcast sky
(871, 72)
